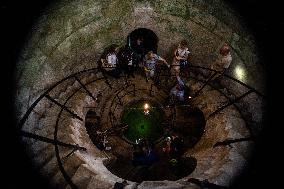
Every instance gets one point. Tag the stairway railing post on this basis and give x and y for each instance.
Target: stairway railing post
(51, 141)
(151, 90)
(206, 83)
(64, 107)
(105, 77)
(85, 88)
(230, 103)
(120, 102)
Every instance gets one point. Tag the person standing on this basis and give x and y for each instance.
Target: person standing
(177, 92)
(222, 62)
(139, 50)
(224, 59)
(150, 61)
(180, 60)
(126, 56)
(111, 63)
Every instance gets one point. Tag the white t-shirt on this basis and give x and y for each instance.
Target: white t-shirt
(183, 53)
(112, 60)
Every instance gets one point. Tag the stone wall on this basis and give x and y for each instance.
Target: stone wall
(71, 35)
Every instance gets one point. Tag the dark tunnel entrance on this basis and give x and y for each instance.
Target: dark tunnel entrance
(148, 37)
(92, 124)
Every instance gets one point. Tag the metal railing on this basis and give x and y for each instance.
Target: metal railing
(133, 91)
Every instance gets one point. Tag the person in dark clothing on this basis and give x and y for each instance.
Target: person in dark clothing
(176, 146)
(152, 157)
(144, 154)
(139, 50)
(126, 61)
(138, 156)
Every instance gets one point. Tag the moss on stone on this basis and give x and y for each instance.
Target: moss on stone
(172, 7)
(89, 21)
(175, 27)
(117, 10)
(32, 72)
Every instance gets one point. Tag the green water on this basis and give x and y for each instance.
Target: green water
(141, 125)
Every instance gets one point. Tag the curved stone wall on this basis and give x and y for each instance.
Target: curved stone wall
(71, 35)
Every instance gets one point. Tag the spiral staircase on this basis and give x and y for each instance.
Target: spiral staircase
(53, 127)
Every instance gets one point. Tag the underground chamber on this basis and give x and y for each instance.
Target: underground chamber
(66, 104)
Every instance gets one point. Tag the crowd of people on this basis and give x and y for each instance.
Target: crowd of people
(129, 58)
(132, 57)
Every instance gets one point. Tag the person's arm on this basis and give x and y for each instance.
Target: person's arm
(176, 56)
(164, 61)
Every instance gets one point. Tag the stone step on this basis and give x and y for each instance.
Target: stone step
(123, 171)
(50, 168)
(61, 88)
(160, 185)
(40, 147)
(48, 130)
(82, 177)
(71, 164)
(49, 118)
(43, 157)
(97, 183)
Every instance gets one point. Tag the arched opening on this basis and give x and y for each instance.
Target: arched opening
(148, 37)
(92, 124)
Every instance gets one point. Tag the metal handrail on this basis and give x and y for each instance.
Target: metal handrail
(238, 109)
(232, 78)
(74, 75)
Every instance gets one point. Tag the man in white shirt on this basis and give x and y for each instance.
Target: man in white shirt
(112, 58)
(111, 61)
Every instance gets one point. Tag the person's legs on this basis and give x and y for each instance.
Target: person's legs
(147, 73)
(139, 60)
(127, 71)
(152, 73)
(115, 72)
(131, 70)
(175, 71)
